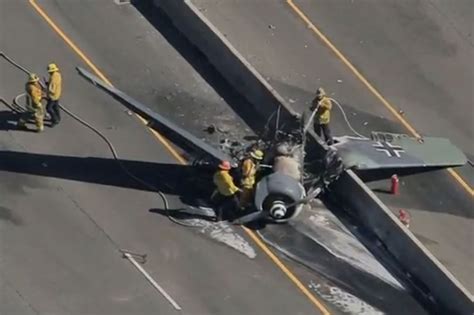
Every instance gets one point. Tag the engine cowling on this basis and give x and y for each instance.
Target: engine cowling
(275, 192)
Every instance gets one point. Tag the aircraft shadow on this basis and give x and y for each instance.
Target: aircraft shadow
(193, 185)
(171, 179)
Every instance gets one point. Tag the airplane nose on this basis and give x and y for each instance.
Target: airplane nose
(278, 210)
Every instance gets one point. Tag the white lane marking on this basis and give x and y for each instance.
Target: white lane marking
(152, 281)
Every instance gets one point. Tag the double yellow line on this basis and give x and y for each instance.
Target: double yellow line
(180, 159)
(369, 86)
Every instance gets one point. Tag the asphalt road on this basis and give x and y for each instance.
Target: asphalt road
(418, 54)
(66, 208)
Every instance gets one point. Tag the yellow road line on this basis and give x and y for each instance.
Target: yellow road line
(164, 142)
(461, 181)
(68, 41)
(99, 74)
(285, 270)
(369, 86)
(171, 150)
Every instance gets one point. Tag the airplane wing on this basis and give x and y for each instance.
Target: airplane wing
(180, 135)
(389, 151)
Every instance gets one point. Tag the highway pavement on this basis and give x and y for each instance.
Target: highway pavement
(416, 55)
(66, 208)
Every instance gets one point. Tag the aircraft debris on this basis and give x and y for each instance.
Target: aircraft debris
(210, 129)
(282, 190)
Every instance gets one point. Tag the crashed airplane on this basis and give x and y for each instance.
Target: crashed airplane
(291, 180)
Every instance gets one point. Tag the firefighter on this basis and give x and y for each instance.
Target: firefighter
(249, 170)
(54, 93)
(322, 104)
(34, 108)
(227, 191)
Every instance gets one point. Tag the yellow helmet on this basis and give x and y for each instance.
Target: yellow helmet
(320, 92)
(257, 154)
(33, 78)
(52, 67)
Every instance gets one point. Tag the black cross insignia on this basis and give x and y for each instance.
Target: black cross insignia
(389, 149)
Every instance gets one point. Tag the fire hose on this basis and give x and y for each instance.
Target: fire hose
(107, 141)
(344, 115)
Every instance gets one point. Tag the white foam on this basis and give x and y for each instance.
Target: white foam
(224, 233)
(325, 229)
(344, 301)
